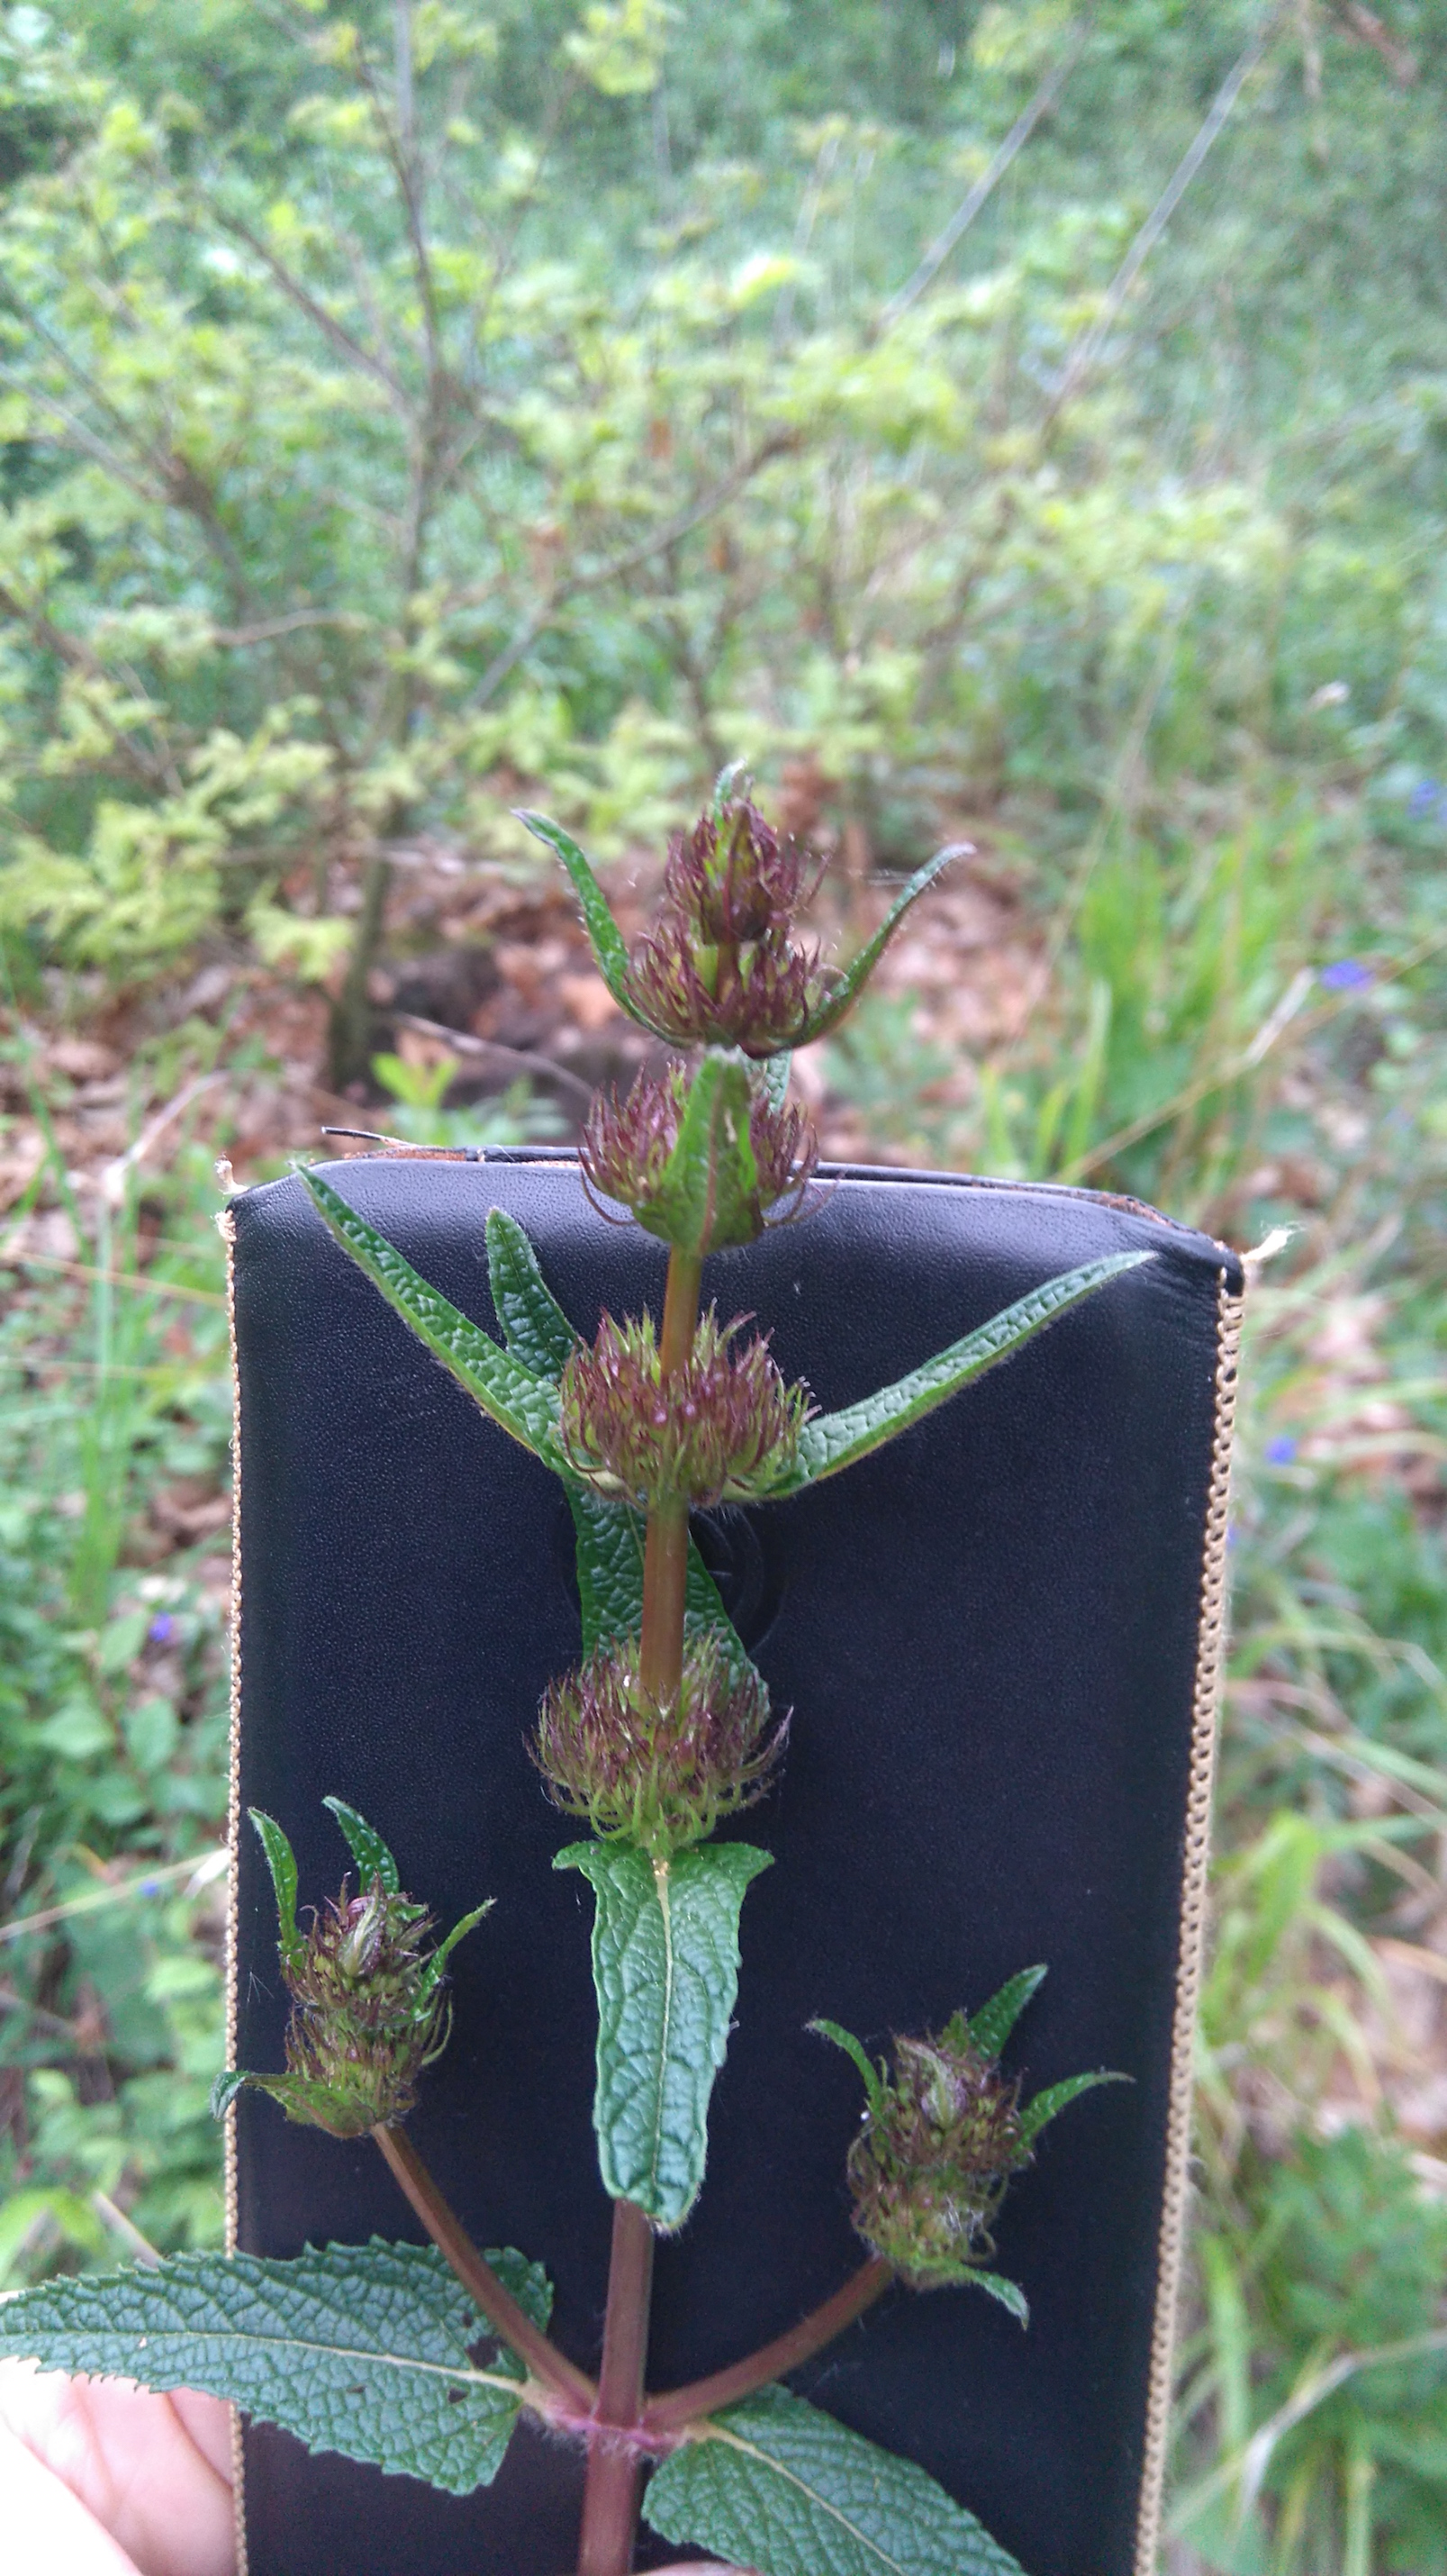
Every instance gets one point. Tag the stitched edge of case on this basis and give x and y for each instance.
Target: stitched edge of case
(1210, 1653)
(226, 1225)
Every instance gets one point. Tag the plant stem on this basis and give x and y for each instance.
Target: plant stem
(772, 2360)
(665, 1549)
(615, 2474)
(615, 2471)
(478, 2278)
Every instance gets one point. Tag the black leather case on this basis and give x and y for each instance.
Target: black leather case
(999, 1639)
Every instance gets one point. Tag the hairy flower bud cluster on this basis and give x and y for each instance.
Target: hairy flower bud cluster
(366, 2015)
(658, 1773)
(720, 967)
(626, 1147)
(722, 1429)
(934, 2157)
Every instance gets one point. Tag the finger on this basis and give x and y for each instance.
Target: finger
(48, 2527)
(129, 2458)
(209, 2423)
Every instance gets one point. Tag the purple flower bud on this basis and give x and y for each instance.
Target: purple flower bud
(658, 1773)
(626, 1146)
(1346, 975)
(724, 1428)
(720, 968)
(1423, 797)
(1281, 1450)
(162, 1628)
(366, 2016)
(932, 2162)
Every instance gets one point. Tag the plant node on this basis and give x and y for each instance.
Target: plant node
(627, 1146)
(723, 1428)
(658, 1773)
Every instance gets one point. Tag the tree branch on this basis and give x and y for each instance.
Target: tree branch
(781, 443)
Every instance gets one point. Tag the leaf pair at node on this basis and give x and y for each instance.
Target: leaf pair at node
(523, 1399)
(369, 2006)
(943, 2135)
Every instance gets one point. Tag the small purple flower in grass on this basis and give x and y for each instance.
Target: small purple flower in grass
(1426, 794)
(1345, 975)
(162, 1628)
(150, 1887)
(1281, 1450)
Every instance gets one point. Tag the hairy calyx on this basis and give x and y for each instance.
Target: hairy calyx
(722, 1428)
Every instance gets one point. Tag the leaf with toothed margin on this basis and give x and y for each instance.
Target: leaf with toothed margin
(708, 1198)
(991, 2026)
(849, 985)
(281, 1861)
(362, 2349)
(610, 949)
(666, 1970)
(534, 1325)
(776, 2485)
(525, 1405)
(833, 1441)
(366, 1846)
(1047, 2105)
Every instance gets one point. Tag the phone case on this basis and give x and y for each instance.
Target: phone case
(1000, 1639)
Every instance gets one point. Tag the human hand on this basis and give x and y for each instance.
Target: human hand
(100, 2478)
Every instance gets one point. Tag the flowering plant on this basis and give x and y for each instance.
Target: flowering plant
(423, 2359)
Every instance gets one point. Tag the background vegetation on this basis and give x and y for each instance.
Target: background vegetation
(406, 409)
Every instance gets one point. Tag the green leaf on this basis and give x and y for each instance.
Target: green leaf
(525, 1405)
(855, 2048)
(281, 1861)
(437, 1964)
(362, 2349)
(773, 1077)
(666, 1969)
(1047, 2105)
(1009, 2293)
(610, 1540)
(538, 1332)
(708, 1199)
(777, 2486)
(857, 975)
(225, 2090)
(609, 947)
(991, 2026)
(836, 1440)
(366, 1846)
